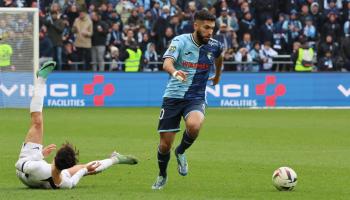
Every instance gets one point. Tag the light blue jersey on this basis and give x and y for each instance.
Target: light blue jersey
(194, 59)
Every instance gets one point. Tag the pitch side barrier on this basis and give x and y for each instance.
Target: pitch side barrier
(236, 90)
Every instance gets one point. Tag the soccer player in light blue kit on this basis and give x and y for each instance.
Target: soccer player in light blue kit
(188, 60)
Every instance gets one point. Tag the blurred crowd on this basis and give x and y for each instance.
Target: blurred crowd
(16, 40)
(131, 35)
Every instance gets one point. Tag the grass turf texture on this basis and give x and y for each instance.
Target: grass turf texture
(234, 157)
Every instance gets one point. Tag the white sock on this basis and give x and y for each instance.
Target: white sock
(106, 163)
(36, 105)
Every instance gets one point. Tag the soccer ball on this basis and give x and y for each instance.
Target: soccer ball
(284, 178)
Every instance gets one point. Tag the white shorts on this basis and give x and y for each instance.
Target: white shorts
(31, 168)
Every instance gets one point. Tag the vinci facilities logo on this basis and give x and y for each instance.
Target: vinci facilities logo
(249, 93)
(62, 90)
(74, 95)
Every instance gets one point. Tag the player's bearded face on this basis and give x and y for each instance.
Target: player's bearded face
(205, 31)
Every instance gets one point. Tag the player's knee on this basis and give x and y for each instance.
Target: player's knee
(164, 147)
(193, 127)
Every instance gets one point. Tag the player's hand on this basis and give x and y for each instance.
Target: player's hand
(48, 149)
(180, 75)
(91, 167)
(215, 79)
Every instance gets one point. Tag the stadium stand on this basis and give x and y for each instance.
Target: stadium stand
(258, 35)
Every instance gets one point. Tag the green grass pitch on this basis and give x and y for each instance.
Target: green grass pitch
(233, 158)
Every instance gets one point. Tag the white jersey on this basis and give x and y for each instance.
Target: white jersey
(35, 172)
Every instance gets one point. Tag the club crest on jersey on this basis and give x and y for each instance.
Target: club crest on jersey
(172, 49)
(210, 55)
(211, 43)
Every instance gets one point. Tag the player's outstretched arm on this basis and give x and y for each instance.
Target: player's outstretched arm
(168, 66)
(77, 172)
(218, 69)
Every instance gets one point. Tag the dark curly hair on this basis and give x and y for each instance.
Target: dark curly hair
(66, 157)
(204, 14)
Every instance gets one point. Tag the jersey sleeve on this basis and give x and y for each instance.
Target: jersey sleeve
(174, 49)
(219, 49)
(68, 181)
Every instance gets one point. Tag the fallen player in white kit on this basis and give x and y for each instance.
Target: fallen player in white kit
(63, 172)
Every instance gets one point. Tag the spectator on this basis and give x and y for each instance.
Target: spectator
(145, 41)
(328, 45)
(72, 13)
(156, 10)
(243, 56)
(246, 42)
(116, 63)
(148, 21)
(134, 19)
(278, 26)
(103, 12)
(83, 29)
(293, 27)
(280, 37)
(99, 36)
(129, 38)
(309, 31)
(247, 25)
(224, 37)
(114, 17)
(150, 56)
(159, 27)
(169, 35)
(316, 15)
(327, 63)
(124, 8)
(174, 8)
(141, 31)
(332, 27)
(45, 46)
(243, 8)
(332, 6)
(267, 30)
(67, 35)
(304, 14)
(255, 55)
(228, 20)
(175, 25)
(229, 55)
(55, 27)
(115, 36)
(267, 54)
(70, 57)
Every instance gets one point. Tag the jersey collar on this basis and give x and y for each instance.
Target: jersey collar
(194, 42)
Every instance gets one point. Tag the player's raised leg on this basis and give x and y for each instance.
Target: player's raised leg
(194, 121)
(35, 133)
